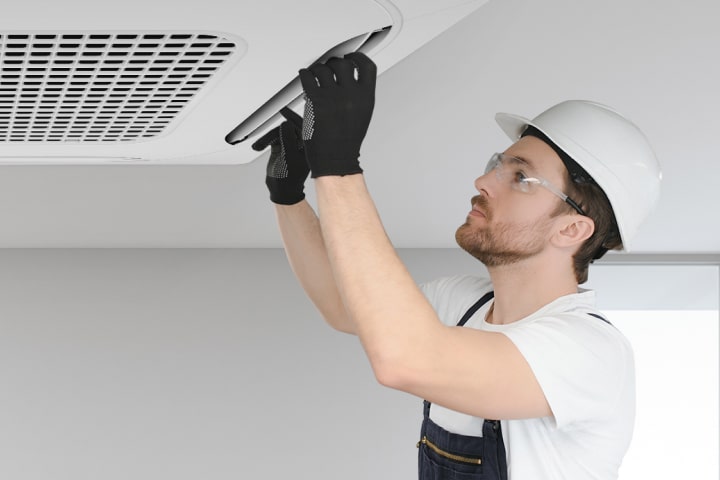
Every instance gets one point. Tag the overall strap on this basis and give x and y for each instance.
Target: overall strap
(471, 311)
(600, 317)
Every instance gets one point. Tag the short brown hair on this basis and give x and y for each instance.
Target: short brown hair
(592, 199)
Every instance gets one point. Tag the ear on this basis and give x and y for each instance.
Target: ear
(573, 231)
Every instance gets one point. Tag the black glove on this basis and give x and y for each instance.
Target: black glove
(338, 110)
(287, 168)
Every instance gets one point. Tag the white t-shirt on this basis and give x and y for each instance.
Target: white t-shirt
(586, 370)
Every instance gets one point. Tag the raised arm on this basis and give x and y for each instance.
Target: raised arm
(306, 252)
(471, 371)
(286, 173)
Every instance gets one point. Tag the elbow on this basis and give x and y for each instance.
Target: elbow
(402, 365)
(383, 375)
(340, 323)
(392, 373)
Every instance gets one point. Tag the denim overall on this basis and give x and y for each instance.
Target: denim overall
(450, 456)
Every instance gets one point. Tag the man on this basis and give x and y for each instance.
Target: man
(532, 383)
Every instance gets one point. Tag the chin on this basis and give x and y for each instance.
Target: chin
(466, 238)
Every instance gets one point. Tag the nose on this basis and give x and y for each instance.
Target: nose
(484, 182)
(478, 183)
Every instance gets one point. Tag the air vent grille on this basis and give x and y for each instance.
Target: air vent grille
(109, 87)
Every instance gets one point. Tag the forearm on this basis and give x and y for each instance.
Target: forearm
(392, 316)
(305, 249)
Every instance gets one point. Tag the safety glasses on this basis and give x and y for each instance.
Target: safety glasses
(518, 174)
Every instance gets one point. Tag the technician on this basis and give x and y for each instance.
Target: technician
(522, 377)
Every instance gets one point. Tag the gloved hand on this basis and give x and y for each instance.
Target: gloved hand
(287, 168)
(338, 110)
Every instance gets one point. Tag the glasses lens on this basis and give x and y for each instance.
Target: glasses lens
(493, 163)
(518, 174)
(514, 171)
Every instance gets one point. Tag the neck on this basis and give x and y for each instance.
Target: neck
(524, 287)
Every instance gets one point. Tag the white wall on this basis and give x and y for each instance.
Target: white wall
(189, 364)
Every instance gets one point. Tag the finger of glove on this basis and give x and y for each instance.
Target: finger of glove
(343, 69)
(292, 117)
(324, 74)
(290, 138)
(308, 81)
(367, 70)
(271, 137)
(293, 152)
(277, 166)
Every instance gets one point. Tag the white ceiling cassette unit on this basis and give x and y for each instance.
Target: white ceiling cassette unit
(178, 82)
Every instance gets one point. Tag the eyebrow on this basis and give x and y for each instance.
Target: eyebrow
(525, 161)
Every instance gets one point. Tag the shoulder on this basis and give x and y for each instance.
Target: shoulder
(575, 330)
(583, 364)
(579, 324)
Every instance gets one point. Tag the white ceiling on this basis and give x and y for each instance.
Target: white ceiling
(432, 131)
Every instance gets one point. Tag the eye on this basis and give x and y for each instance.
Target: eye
(520, 177)
(523, 182)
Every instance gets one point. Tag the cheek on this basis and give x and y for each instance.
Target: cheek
(519, 208)
(536, 206)
(522, 212)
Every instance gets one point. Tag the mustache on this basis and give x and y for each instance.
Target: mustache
(481, 203)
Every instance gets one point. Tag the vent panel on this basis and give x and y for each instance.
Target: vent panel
(291, 93)
(102, 87)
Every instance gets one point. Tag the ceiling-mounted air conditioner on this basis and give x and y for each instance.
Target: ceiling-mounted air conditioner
(175, 84)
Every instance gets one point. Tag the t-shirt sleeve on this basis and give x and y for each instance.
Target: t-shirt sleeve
(580, 362)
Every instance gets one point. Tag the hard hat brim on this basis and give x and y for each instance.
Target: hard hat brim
(513, 125)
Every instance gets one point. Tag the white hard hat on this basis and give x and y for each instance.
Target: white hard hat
(609, 147)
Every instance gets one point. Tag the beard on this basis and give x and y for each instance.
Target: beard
(506, 243)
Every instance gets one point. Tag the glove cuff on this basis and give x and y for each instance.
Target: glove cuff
(340, 172)
(286, 200)
(284, 194)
